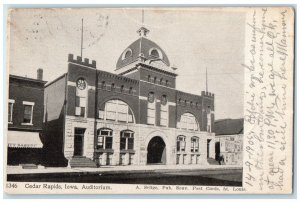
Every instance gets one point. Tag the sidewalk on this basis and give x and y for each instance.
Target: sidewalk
(119, 169)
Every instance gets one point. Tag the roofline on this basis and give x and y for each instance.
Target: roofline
(157, 69)
(53, 81)
(28, 79)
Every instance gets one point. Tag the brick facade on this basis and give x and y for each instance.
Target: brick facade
(89, 93)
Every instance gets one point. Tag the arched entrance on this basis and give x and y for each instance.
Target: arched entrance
(156, 151)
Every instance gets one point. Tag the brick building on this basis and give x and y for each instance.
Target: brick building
(25, 119)
(134, 116)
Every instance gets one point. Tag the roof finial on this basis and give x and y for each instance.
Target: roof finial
(81, 45)
(206, 81)
(143, 31)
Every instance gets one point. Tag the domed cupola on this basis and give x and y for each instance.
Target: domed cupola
(143, 50)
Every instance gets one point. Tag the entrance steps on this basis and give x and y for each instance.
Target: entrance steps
(212, 161)
(82, 162)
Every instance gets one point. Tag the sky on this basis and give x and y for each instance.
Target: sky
(193, 39)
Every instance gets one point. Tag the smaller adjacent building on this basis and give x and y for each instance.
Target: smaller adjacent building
(25, 119)
(229, 140)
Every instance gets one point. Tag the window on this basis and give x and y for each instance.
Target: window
(28, 112)
(10, 110)
(81, 97)
(117, 110)
(194, 144)
(149, 78)
(188, 122)
(122, 88)
(154, 52)
(126, 54)
(103, 85)
(130, 90)
(104, 138)
(154, 81)
(167, 83)
(126, 140)
(151, 109)
(181, 143)
(112, 88)
(164, 111)
(161, 81)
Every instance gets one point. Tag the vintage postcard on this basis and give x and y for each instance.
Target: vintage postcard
(150, 101)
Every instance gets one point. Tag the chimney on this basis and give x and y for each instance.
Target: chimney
(40, 74)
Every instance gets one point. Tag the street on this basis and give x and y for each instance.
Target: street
(219, 177)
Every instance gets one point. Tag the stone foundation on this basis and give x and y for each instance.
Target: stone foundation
(142, 136)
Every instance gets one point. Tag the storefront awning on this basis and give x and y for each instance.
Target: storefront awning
(21, 139)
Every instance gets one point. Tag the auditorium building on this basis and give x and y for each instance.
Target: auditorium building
(134, 116)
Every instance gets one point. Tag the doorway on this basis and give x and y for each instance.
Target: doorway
(156, 151)
(78, 141)
(207, 148)
(218, 150)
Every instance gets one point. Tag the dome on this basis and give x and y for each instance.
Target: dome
(149, 49)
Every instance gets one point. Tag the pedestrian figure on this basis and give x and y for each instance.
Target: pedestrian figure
(221, 159)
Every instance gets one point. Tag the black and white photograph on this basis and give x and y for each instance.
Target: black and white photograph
(152, 98)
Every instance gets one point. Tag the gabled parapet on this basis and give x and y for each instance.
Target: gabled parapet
(207, 94)
(79, 61)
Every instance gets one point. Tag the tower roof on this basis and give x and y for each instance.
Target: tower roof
(142, 47)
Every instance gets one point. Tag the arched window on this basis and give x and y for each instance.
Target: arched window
(112, 87)
(161, 81)
(149, 78)
(117, 110)
(188, 122)
(154, 81)
(194, 144)
(104, 138)
(151, 109)
(167, 83)
(122, 88)
(151, 97)
(103, 85)
(155, 53)
(81, 97)
(127, 53)
(181, 143)
(126, 140)
(130, 90)
(164, 114)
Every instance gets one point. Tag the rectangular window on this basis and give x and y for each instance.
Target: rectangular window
(100, 142)
(123, 143)
(28, 112)
(164, 115)
(10, 110)
(80, 108)
(151, 113)
(130, 143)
(181, 144)
(108, 143)
(195, 145)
